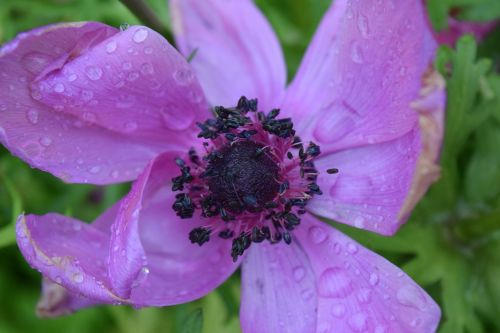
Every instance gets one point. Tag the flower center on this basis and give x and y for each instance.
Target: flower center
(253, 181)
(242, 178)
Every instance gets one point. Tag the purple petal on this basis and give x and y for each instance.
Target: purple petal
(68, 252)
(79, 95)
(56, 301)
(360, 73)
(378, 185)
(278, 290)
(457, 29)
(360, 291)
(152, 260)
(236, 50)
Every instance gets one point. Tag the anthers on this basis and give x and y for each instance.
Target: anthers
(253, 181)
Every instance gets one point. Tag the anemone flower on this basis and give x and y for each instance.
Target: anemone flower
(353, 138)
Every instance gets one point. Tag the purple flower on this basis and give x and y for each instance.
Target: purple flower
(356, 141)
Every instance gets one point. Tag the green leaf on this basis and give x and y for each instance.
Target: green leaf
(8, 233)
(193, 323)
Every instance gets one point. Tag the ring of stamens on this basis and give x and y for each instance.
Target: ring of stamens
(253, 182)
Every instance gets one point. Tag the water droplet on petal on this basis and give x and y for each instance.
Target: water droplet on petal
(31, 149)
(111, 46)
(364, 295)
(412, 297)
(95, 169)
(373, 279)
(130, 126)
(338, 310)
(334, 282)
(32, 116)
(357, 53)
(77, 277)
(72, 77)
(352, 248)
(358, 322)
(45, 141)
(299, 273)
(35, 62)
(148, 50)
(317, 235)
(183, 76)
(94, 73)
(363, 26)
(3, 107)
(175, 120)
(140, 35)
(59, 88)
(379, 329)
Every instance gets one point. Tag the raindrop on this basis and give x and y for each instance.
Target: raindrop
(148, 50)
(59, 88)
(334, 282)
(299, 273)
(31, 149)
(72, 77)
(379, 329)
(45, 141)
(130, 126)
(373, 280)
(183, 76)
(94, 73)
(77, 277)
(364, 295)
(352, 248)
(132, 76)
(147, 68)
(359, 222)
(32, 116)
(338, 310)
(95, 169)
(358, 322)
(357, 53)
(173, 120)
(127, 65)
(317, 235)
(307, 294)
(111, 46)
(140, 35)
(363, 26)
(411, 296)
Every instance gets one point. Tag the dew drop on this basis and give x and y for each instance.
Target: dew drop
(173, 120)
(132, 76)
(32, 116)
(307, 294)
(140, 35)
(130, 126)
(31, 149)
(59, 88)
(358, 322)
(357, 53)
(45, 141)
(359, 222)
(111, 47)
(338, 310)
(411, 296)
(77, 277)
(373, 280)
(352, 248)
(363, 27)
(148, 50)
(183, 76)
(147, 68)
(364, 295)
(3, 107)
(94, 73)
(72, 77)
(334, 282)
(317, 235)
(299, 273)
(379, 329)
(95, 169)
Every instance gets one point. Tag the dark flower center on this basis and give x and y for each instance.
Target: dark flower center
(253, 182)
(243, 177)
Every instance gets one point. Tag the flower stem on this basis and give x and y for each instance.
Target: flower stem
(146, 15)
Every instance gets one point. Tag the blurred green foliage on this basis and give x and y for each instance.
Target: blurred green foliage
(451, 245)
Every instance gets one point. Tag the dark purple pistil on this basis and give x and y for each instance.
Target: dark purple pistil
(241, 178)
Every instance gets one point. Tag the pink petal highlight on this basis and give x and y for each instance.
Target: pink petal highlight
(152, 261)
(360, 74)
(235, 50)
(278, 290)
(72, 109)
(360, 291)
